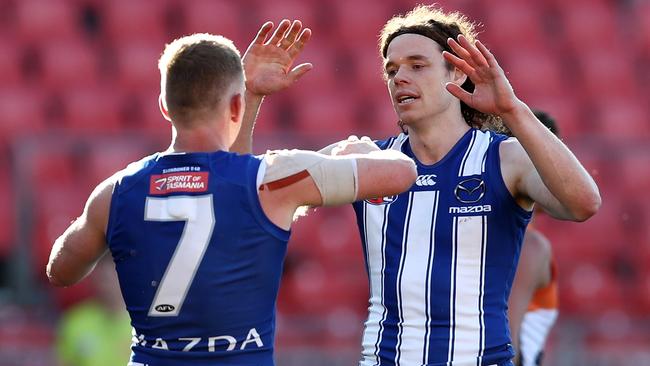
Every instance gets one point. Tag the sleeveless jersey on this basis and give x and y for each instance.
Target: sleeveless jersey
(538, 321)
(441, 259)
(198, 261)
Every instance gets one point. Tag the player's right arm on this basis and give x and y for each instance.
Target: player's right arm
(332, 180)
(267, 65)
(75, 253)
(533, 272)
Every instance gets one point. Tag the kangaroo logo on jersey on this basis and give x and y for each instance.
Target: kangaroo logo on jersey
(178, 182)
(426, 180)
(470, 190)
(381, 200)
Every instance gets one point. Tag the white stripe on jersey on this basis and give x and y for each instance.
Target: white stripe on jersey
(467, 290)
(482, 293)
(429, 276)
(474, 160)
(375, 249)
(534, 329)
(413, 286)
(397, 143)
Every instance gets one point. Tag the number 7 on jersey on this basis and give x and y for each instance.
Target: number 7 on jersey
(198, 214)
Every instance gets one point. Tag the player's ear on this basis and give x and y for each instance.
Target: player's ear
(163, 108)
(237, 108)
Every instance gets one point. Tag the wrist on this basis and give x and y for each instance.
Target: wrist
(516, 114)
(253, 97)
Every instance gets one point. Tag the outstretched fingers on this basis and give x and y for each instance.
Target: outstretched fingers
(291, 35)
(491, 60)
(263, 33)
(279, 32)
(475, 55)
(459, 63)
(300, 70)
(299, 44)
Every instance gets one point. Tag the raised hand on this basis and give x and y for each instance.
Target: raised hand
(493, 93)
(267, 62)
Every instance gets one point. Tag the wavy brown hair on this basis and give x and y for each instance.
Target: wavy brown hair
(432, 22)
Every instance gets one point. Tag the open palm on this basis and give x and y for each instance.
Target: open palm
(267, 63)
(492, 93)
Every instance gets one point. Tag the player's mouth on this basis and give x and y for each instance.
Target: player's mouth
(406, 98)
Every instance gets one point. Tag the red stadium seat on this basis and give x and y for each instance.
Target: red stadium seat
(11, 52)
(326, 112)
(92, 110)
(304, 11)
(137, 65)
(589, 289)
(130, 20)
(217, 17)
(623, 119)
(589, 24)
(635, 174)
(642, 27)
(533, 71)
(563, 108)
(351, 29)
(22, 112)
(38, 21)
(104, 159)
(68, 64)
(518, 24)
(608, 74)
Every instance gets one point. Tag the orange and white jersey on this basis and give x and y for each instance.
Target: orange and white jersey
(538, 320)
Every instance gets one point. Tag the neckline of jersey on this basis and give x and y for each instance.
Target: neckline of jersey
(462, 141)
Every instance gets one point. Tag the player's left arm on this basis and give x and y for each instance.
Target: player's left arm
(267, 66)
(543, 169)
(75, 253)
(533, 272)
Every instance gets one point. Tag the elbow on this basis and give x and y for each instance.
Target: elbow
(588, 208)
(54, 277)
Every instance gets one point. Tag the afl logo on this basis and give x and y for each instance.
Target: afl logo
(470, 190)
(165, 308)
(382, 200)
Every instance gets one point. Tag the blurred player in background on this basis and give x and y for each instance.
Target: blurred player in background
(441, 257)
(198, 234)
(533, 302)
(97, 331)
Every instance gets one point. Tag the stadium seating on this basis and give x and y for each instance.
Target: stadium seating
(40, 20)
(134, 20)
(76, 95)
(68, 64)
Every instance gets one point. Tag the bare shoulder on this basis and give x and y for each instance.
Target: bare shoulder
(536, 242)
(511, 152)
(99, 202)
(515, 164)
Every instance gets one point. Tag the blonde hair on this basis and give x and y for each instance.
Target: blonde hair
(195, 71)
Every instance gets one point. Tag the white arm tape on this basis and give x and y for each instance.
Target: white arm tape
(335, 177)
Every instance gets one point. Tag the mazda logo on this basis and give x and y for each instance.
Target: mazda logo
(470, 190)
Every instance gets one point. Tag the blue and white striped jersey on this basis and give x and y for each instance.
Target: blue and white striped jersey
(441, 259)
(198, 261)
